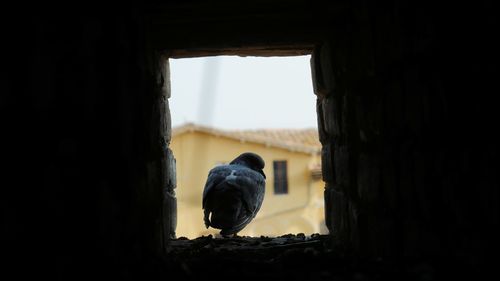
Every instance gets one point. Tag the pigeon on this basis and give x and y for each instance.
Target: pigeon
(233, 193)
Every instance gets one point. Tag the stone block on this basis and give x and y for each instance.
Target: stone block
(341, 167)
(329, 213)
(323, 136)
(327, 67)
(169, 208)
(322, 70)
(317, 76)
(337, 214)
(170, 214)
(164, 79)
(331, 116)
(168, 123)
(165, 123)
(327, 163)
(171, 170)
(369, 118)
(346, 106)
(351, 220)
(368, 178)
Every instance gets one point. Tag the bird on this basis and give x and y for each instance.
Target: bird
(233, 193)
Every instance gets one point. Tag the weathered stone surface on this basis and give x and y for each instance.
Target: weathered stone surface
(165, 76)
(341, 167)
(331, 116)
(317, 76)
(351, 223)
(168, 126)
(329, 207)
(171, 170)
(327, 162)
(369, 116)
(289, 257)
(170, 201)
(323, 136)
(368, 178)
(169, 215)
(322, 70)
(339, 217)
(327, 67)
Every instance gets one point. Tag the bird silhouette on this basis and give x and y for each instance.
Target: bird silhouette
(233, 193)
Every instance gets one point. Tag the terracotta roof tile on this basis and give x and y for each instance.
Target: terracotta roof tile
(303, 140)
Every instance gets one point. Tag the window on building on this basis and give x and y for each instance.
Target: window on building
(280, 177)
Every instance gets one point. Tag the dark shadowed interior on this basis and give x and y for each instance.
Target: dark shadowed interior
(406, 116)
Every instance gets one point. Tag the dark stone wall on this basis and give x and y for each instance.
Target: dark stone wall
(406, 120)
(87, 177)
(405, 108)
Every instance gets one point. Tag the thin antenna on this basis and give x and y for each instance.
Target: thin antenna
(208, 91)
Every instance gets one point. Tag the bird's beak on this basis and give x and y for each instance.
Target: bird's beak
(262, 173)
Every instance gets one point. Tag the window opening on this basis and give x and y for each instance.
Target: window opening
(223, 106)
(280, 177)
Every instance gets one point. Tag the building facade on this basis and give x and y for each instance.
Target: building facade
(293, 201)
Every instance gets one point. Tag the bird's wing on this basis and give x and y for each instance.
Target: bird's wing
(215, 176)
(260, 196)
(252, 186)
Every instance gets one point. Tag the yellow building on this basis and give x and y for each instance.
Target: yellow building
(293, 202)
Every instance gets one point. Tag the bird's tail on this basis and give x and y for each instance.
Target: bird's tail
(206, 218)
(238, 227)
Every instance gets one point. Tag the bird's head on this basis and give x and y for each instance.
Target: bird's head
(252, 161)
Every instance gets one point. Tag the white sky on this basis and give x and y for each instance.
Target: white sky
(232, 92)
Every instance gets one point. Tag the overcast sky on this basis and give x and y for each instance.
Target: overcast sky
(231, 92)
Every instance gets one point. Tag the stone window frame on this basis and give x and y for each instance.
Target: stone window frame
(276, 50)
